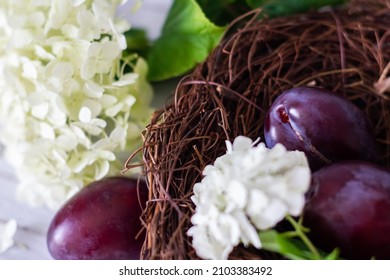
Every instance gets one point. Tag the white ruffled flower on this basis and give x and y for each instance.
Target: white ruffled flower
(7, 232)
(68, 108)
(248, 189)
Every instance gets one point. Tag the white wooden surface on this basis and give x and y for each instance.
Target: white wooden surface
(30, 238)
(30, 242)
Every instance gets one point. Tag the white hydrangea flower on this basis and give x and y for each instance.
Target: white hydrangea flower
(7, 232)
(250, 188)
(68, 109)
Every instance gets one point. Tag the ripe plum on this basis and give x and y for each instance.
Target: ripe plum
(324, 125)
(101, 221)
(348, 206)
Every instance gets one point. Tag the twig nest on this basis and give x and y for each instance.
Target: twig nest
(344, 50)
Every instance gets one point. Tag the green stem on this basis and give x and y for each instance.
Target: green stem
(303, 237)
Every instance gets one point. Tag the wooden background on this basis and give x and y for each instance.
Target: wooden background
(30, 238)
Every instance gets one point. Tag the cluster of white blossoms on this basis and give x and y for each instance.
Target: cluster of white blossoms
(249, 189)
(71, 101)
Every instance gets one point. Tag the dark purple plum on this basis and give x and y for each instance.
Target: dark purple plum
(100, 222)
(348, 206)
(324, 125)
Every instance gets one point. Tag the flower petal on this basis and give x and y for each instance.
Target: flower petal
(7, 232)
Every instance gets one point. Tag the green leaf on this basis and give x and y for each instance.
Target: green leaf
(187, 38)
(290, 246)
(334, 255)
(269, 240)
(273, 241)
(275, 8)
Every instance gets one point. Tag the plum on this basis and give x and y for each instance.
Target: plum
(101, 221)
(348, 206)
(324, 125)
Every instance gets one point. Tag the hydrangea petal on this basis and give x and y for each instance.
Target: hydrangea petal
(85, 114)
(7, 232)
